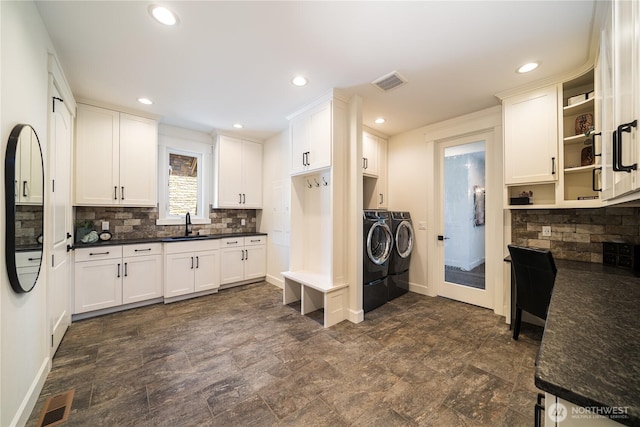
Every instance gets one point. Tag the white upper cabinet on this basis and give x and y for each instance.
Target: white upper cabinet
(115, 158)
(370, 154)
(620, 64)
(531, 137)
(238, 174)
(311, 139)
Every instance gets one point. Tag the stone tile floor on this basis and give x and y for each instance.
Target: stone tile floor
(241, 358)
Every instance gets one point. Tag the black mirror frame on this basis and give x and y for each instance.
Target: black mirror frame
(10, 204)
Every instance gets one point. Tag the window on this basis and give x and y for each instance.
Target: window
(184, 167)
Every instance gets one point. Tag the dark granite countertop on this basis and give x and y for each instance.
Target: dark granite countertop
(114, 242)
(590, 350)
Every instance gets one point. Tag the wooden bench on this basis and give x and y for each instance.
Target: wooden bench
(316, 292)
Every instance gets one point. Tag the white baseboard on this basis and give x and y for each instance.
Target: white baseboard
(31, 398)
(355, 316)
(419, 289)
(275, 281)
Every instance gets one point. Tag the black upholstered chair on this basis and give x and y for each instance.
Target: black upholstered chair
(535, 273)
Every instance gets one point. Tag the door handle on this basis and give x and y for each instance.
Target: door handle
(441, 237)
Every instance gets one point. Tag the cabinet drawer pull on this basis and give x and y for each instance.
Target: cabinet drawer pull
(98, 253)
(232, 243)
(34, 259)
(253, 241)
(142, 250)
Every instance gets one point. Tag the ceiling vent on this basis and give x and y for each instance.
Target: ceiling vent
(390, 81)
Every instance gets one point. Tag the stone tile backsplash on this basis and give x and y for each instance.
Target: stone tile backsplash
(576, 234)
(140, 223)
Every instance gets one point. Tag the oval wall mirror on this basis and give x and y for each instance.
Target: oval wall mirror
(24, 200)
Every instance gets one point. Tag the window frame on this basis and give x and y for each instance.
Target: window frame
(187, 147)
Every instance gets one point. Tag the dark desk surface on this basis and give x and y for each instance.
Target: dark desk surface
(590, 350)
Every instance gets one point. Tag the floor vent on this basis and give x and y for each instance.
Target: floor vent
(56, 410)
(390, 81)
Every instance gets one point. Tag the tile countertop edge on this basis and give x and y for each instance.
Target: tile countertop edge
(590, 350)
(168, 239)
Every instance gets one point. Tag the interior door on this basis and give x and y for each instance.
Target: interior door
(59, 223)
(462, 243)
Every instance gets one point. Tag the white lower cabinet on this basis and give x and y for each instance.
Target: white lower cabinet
(191, 267)
(142, 277)
(243, 258)
(560, 413)
(115, 275)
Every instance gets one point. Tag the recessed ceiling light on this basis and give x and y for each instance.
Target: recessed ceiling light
(380, 120)
(145, 101)
(299, 81)
(528, 67)
(163, 15)
(238, 125)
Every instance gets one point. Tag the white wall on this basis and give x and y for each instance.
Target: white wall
(274, 218)
(24, 334)
(412, 180)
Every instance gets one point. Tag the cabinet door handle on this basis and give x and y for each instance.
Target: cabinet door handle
(593, 144)
(381, 198)
(247, 255)
(121, 193)
(192, 263)
(115, 193)
(24, 188)
(366, 163)
(118, 270)
(125, 269)
(239, 198)
(553, 166)
(242, 252)
(539, 408)
(244, 198)
(593, 179)
(626, 127)
(197, 262)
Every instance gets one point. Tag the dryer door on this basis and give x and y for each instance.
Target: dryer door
(404, 239)
(379, 243)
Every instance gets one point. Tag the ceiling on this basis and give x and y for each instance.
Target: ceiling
(229, 62)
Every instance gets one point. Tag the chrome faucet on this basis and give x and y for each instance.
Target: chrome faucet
(187, 225)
